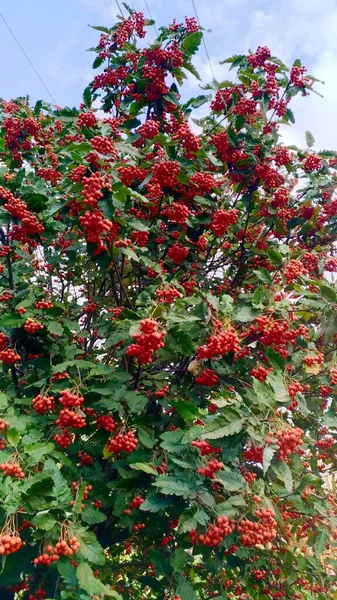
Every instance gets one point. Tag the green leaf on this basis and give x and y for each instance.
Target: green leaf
(179, 560)
(185, 590)
(38, 451)
(220, 427)
(172, 441)
(275, 359)
(61, 488)
(191, 43)
(154, 504)
(172, 487)
(309, 138)
(68, 573)
(92, 516)
(233, 480)
(328, 293)
(87, 98)
(143, 467)
(258, 295)
(3, 401)
(92, 585)
(268, 455)
(146, 438)
(90, 548)
(283, 471)
(322, 540)
(264, 395)
(43, 520)
(13, 436)
(137, 402)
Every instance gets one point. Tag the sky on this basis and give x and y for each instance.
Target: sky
(55, 36)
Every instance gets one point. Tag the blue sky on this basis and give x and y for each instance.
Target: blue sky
(55, 35)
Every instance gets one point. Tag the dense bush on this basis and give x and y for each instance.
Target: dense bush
(167, 335)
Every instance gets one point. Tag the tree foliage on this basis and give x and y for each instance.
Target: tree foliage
(167, 335)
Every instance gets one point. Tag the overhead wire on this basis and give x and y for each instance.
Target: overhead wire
(203, 39)
(151, 17)
(28, 59)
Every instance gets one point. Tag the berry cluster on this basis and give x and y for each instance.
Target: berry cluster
(139, 527)
(258, 533)
(3, 341)
(104, 146)
(140, 238)
(136, 502)
(86, 119)
(70, 400)
(3, 424)
(260, 372)
(222, 220)
(42, 404)
(84, 458)
(149, 339)
(64, 547)
(168, 294)
(293, 270)
(12, 470)
(254, 454)
(220, 344)
(32, 326)
(208, 377)
(10, 543)
(205, 447)
(165, 173)
(69, 418)
(64, 439)
(215, 533)
(106, 422)
(92, 189)
(177, 213)
(289, 440)
(212, 467)
(38, 595)
(126, 442)
(177, 253)
(333, 375)
(9, 356)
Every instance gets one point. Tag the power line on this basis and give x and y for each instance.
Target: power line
(108, 9)
(119, 8)
(203, 39)
(27, 57)
(151, 17)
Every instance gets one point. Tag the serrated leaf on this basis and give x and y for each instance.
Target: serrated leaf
(268, 455)
(191, 43)
(146, 438)
(172, 487)
(90, 549)
(309, 138)
(186, 591)
(143, 467)
(92, 516)
(233, 481)
(220, 427)
(179, 560)
(322, 540)
(154, 504)
(92, 584)
(43, 520)
(328, 293)
(137, 402)
(283, 471)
